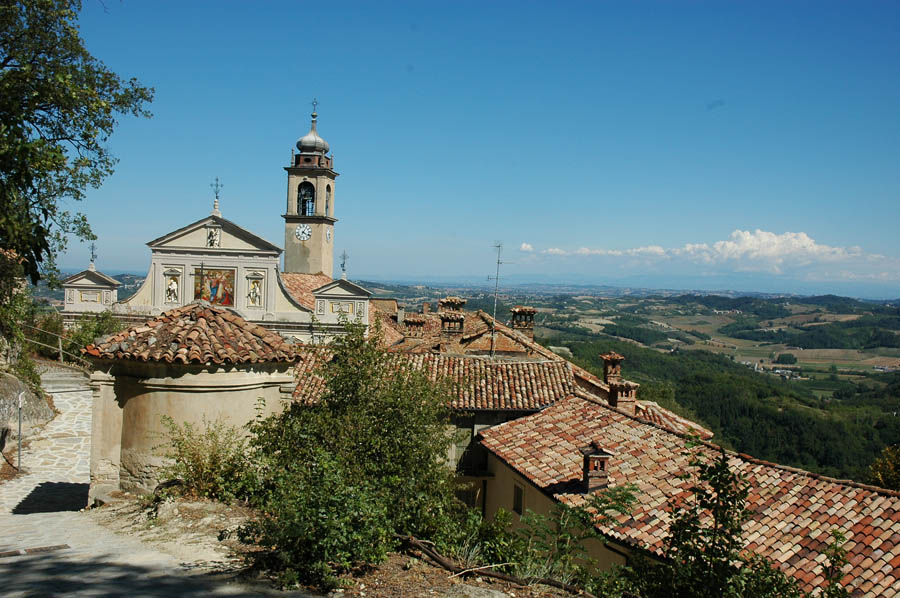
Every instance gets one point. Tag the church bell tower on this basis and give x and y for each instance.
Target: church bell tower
(309, 220)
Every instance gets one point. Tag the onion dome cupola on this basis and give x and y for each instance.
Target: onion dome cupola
(311, 142)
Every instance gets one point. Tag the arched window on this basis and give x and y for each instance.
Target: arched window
(328, 200)
(306, 199)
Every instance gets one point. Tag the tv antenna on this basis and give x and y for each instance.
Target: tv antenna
(496, 279)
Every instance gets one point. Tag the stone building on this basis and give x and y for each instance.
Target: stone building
(521, 378)
(580, 445)
(197, 363)
(216, 260)
(89, 291)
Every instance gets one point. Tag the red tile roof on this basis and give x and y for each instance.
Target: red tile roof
(477, 384)
(794, 511)
(195, 333)
(301, 286)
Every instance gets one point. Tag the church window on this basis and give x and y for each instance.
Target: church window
(306, 199)
(327, 200)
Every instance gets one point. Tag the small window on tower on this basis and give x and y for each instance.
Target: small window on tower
(328, 200)
(306, 199)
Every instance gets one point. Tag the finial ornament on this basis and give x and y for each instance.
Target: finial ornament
(344, 257)
(315, 104)
(217, 189)
(93, 255)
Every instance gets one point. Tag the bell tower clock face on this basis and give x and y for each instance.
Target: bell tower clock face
(303, 232)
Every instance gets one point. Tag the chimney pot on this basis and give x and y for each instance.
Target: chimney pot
(612, 367)
(595, 467)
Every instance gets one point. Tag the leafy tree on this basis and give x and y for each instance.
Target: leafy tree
(335, 481)
(885, 471)
(58, 107)
(786, 358)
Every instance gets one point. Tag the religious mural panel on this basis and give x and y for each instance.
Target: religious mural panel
(215, 286)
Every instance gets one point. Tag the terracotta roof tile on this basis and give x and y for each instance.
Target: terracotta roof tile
(794, 510)
(195, 333)
(301, 286)
(477, 384)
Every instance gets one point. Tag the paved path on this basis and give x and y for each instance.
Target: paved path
(57, 459)
(49, 548)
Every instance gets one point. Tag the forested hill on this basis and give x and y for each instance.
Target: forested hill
(755, 413)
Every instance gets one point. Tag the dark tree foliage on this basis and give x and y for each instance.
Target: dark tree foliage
(761, 308)
(58, 107)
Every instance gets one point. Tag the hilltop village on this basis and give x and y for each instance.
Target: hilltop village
(219, 328)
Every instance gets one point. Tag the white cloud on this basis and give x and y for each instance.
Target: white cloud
(759, 251)
(526, 247)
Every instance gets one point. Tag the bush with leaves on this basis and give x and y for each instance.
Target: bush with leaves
(318, 519)
(210, 462)
(373, 449)
(885, 471)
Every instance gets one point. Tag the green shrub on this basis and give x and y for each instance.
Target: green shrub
(336, 480)
(211, 462)
(319, 519)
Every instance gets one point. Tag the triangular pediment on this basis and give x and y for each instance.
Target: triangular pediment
(91, 278)
(231, 237)
(342, 288)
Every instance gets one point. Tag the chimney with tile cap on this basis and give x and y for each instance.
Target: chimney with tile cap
(595, 467)
(612, 367)
(623, 394)
(451, 323)
(522, 319)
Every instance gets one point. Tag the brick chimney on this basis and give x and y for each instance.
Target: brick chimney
(522, 319)
(595, 467)
(612, 367)
(623, 394)
(414, 325)
(451, 304)
(451, 323)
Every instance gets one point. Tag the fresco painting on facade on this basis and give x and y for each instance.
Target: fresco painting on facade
(215, 286)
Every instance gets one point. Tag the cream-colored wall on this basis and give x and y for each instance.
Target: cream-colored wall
(130, 399)
(197, 238)
(75, 292)
(499, 494)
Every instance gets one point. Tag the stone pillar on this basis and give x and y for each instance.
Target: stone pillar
(106, 436)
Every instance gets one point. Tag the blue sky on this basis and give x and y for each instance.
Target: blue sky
(750, 146)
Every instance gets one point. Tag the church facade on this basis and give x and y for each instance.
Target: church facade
(217, 261)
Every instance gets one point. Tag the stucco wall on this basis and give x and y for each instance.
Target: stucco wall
(130, 399)
(499, 494)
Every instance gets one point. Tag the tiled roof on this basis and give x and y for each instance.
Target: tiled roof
(195, 333)
(301, 286)
(475, 337)
(476, 383)
(794, 511)
(661, 416)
